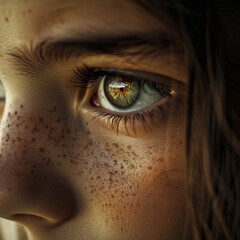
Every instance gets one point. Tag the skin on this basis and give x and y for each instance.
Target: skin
(67, 175)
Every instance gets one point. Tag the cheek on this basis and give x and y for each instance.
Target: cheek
(130, 179)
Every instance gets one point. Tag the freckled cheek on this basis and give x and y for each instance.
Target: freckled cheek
(123, 183)
(118, 171)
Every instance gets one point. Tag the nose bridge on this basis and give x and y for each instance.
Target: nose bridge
(29, 181)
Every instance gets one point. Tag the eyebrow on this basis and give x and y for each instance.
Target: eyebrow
(35, 59)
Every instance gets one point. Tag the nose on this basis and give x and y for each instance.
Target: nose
(32, 186)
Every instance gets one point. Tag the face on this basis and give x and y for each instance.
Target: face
(92, 133)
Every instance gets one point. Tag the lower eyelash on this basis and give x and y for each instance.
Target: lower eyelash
(130, 120)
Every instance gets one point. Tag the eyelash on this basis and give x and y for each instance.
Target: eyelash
(86, 77)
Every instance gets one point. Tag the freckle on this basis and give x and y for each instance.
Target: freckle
(106, 165)
(19, 139)
(21, 106)
(9, 189)
(89, 133)
(115, 145)
(29, 10)
(6, 19)
(132, 166)
(42, 150)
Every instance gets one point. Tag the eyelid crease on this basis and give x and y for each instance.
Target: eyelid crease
(29, 61)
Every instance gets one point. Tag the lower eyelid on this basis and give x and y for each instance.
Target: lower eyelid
(164, 101)
(132, 123)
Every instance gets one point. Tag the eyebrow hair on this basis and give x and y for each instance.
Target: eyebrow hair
(29, 61)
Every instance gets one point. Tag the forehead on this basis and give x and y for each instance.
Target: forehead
(39, 20)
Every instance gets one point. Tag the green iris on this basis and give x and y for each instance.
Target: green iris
(122, 93)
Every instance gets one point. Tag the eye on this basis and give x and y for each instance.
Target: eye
(129, 102)
(125, 94)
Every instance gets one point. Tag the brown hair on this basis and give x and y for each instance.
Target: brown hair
(213, 146)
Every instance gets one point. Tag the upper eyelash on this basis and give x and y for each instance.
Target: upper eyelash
(86, 77)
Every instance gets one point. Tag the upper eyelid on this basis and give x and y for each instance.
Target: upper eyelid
(141, 75)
